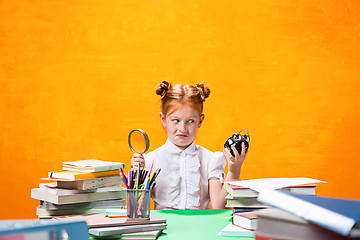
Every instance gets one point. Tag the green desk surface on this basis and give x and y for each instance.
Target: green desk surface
(195, 224)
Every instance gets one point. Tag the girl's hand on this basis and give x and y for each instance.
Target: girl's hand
(236, 162)
(136, 159)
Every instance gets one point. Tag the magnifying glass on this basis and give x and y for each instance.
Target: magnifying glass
(138, 141)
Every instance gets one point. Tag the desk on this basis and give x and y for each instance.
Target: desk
(195, 224)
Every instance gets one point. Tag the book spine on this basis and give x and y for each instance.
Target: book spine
(94, 169)
(108, 168)
(242, 192)
(97, 174)
(76, 211)
(76, 198)
(110, 231)
(307, 211)
(92, 183)
(102, 182)
(97, 204)
(59, 191)
(83, 175)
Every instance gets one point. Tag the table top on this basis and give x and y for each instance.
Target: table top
(195, 224)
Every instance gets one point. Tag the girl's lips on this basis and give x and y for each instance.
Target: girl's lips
(181, 135)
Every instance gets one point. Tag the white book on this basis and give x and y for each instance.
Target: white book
(239, 191)
(92, 165)
(243, 202)
(232, 230)
(114, 193)
(43, 212)
(116, 203)
(137, 235)
(109, 231)
(247, 220)
(340, 215)
(52, 188)
(273, 183)
(251, 187)
(277, 224)
(91, 183)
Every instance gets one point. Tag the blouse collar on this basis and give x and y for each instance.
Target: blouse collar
(170, 147)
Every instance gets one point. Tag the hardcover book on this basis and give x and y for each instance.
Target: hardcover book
(337, 214)
(247, 220)
(91, 183)
(92, 165)
(243, 202)
(101, 221)
(111, 231)
(240, 191)
(137, 235)
(97, 204)
(232, 230)
(53, 188)
(75, 175)
(102, 226)
(42, 212)
(42, 229)
(46, 209)
(277, 224)
(110, 193)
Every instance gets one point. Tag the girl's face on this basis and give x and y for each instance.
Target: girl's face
(181, 125)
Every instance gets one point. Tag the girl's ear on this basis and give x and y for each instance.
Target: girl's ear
(162, 118)
(202, 116)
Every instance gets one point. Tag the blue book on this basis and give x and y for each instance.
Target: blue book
(43, 229)
(337, 214)
(240, 210)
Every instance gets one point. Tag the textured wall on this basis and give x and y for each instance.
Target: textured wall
(76, 77)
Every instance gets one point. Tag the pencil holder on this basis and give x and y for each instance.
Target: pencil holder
(138, 204)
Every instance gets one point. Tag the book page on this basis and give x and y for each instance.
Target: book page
(90, 163)
(274, 183)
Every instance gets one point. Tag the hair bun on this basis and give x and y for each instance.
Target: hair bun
(205, 90)
(163, 88)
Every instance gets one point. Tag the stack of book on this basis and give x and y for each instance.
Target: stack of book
(104, 227)
(243, 225)
(296, 216)
(81, 187)
(243, 199)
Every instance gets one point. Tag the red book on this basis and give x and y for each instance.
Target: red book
(260, 237)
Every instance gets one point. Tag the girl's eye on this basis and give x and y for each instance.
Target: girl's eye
(176, 120)
(190, 121)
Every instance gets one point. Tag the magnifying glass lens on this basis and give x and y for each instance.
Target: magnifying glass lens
(138, 141)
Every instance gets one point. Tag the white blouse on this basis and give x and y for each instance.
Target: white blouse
(184, 176)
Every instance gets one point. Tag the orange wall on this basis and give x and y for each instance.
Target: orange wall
(76, 77)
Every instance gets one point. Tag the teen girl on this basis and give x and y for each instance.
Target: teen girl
(190, 176)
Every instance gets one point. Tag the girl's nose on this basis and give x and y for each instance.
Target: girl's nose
(182, 126)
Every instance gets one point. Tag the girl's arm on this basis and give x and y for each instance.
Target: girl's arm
(217, 190)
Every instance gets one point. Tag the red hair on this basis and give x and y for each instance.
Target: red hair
(175, 96)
